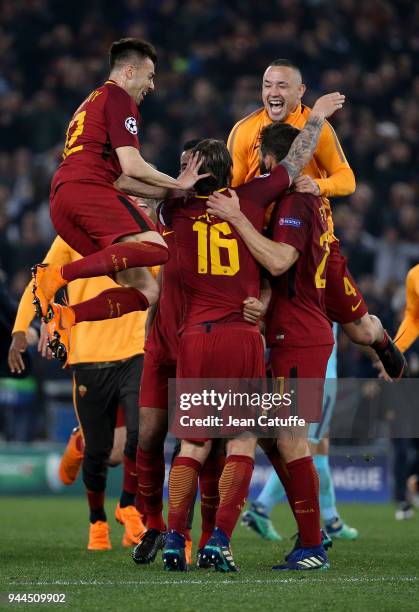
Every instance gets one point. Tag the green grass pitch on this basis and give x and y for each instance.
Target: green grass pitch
(43, 550)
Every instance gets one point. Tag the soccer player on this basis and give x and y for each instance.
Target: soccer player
(213, 325)
(258, 515)
(161, 351)
(328, 174)
(106, 360)
(97, 220)
(298, 330)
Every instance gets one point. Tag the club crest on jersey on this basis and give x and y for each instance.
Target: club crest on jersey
(131, 125)
(290, 221)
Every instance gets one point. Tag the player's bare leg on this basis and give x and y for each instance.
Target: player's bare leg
(117, 453)
(369, 331)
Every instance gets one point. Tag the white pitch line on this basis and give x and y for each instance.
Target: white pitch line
(205, 582)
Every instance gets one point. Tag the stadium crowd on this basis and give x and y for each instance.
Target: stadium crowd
(211, 57)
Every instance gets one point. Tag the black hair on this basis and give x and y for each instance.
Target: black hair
(276, 139)
(217, 161)
(287, 64)
(191, 144)
(124, 51)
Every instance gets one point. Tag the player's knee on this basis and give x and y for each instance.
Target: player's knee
(195, 450)
(242, 446)
(148, 236)
(152, 429)
(292, 448)
(116, 457)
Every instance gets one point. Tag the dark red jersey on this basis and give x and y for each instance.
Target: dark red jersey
(297, 315)
(217, 270)
(107, 119)
(163, 339)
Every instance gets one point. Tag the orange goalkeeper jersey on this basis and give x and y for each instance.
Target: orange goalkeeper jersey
(91, 341)
(328, 166)
(409, 327)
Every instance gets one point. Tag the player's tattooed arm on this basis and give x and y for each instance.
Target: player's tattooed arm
(304, 145)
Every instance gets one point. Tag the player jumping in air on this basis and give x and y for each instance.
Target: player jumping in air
(97, 220)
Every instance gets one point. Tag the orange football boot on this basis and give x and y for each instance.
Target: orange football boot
(61, 320)
(99, 536)
(188, 552)
(72, 458)
(130, 518)
(47, 279)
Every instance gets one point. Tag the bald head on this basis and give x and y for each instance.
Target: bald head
(282, 89)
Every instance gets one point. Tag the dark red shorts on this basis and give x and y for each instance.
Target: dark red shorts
(344, 301)
(227, 350)
(219, 351)
(301, 371)
(154, 382)
(90, 216)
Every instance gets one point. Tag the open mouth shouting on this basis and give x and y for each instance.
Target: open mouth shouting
(276, 106)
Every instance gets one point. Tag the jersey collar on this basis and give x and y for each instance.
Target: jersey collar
(205, 197)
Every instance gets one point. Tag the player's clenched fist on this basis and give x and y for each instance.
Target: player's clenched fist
(328, 104)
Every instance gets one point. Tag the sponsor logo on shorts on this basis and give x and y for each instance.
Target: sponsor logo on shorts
(131, 125)
(290, 221)
(82, 390)
(167, 232)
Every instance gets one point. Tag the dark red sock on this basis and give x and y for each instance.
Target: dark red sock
(183, 480)
(210, 498)
(150, 479)
(116, 258)
(234, 488)
(283, 475)
(96, 501)
(110, 304)
(187, 534)
(129, 484)
(305, 487)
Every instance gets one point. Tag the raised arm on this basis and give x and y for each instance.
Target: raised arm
(303, 147)
(135, 167)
